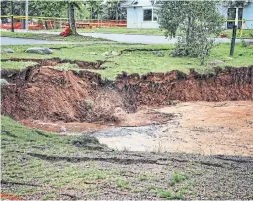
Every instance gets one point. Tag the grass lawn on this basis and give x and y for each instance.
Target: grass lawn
(50, 37)
(140, 60)
(13, 65)
(40, 177)
(158, 32)
(245, 33)
(118, 30)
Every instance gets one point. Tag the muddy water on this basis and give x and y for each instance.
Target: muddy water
(129, 138)
(202, 128)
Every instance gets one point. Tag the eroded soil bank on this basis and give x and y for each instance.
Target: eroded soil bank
(48, 94)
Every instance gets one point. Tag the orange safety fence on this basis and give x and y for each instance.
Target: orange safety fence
(55, 23)
(51, 25)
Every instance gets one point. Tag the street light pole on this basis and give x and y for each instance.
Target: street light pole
(26, 14)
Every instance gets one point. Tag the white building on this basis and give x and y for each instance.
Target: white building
(142, 14)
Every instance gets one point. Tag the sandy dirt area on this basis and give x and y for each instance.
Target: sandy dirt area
(198, 127)
(208, 128)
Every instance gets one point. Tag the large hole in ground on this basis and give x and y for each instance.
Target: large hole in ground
(152, 112)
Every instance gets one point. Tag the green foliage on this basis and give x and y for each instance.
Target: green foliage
(36, 8)
(177, 177)
(47, 8)
(171, 196)
(122, 183)
(143, 177)
(198, 21)
(94, 8)
(234, 3)
(112, 10)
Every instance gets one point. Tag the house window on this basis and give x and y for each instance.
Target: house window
(234, 14)
(147, 15)
(240, 13)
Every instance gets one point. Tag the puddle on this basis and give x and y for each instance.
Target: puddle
(130, 138)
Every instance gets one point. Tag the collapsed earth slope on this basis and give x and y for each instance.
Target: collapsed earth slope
(48, 94)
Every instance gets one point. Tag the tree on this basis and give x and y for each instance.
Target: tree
(47, 9)
(55, 9)
(197, 20)
(234, 3)
(94, 8)
(112, 10)
(72, 4)
(18, 8)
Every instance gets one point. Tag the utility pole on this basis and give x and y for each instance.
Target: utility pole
(12, 18)
(26, 14)
(232, 47)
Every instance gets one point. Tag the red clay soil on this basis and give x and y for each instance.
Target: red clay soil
(50, 95)
(142, 117)
(9, 197)
(160, 88)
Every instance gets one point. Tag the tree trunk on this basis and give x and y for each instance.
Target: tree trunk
(188, 31)
(91, 12)
(46, 26)
(117, 13)
(22, 13)
(72, 22)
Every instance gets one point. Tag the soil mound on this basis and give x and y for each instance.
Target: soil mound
(50, 95)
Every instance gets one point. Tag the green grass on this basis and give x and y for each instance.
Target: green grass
(170, 195)
(117, 30)
(122, 183)
(139, 61)
(247, 33)
(50, 37)
(144, 177)
(177, 177)
(16, 65)
(18, 166)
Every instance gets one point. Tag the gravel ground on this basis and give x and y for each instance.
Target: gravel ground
(206, 177)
